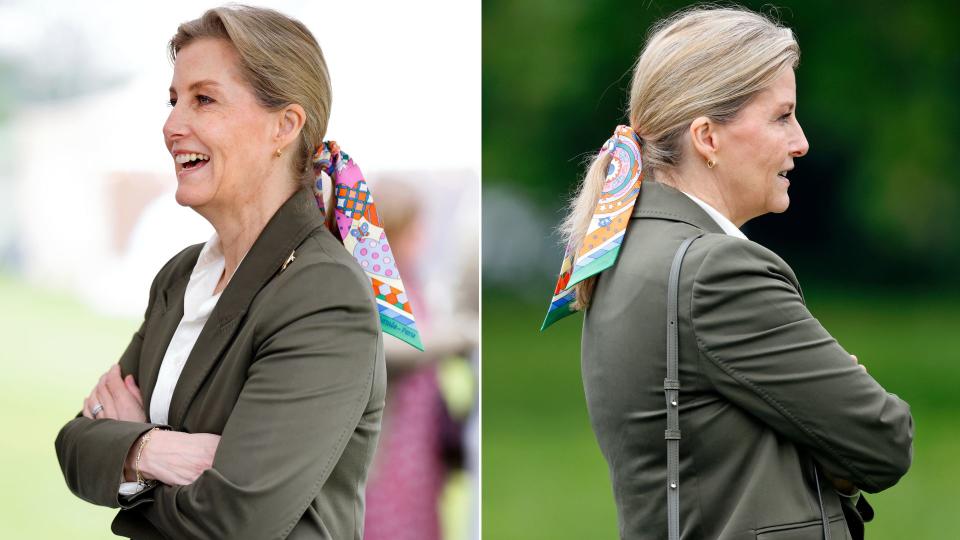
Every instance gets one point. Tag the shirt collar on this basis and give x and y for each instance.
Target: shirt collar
(210, 255)
(724, 223)
(198, 298)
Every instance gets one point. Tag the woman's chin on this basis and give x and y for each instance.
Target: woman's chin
(192, 196)
(779, 204)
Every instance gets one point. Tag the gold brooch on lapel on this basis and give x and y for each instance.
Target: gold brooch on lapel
(289, 260)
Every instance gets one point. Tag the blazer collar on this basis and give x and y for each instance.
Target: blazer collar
(289, 226)
(660, 201)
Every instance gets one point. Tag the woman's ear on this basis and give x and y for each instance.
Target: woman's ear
(290, 122)
(704, 138)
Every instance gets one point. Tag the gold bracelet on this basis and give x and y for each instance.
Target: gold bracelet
(143, 442)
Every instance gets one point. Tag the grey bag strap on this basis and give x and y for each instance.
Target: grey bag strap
(823, 515)
(671, 388)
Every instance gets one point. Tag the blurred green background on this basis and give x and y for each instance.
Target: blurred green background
(873, 232)
(55, 349)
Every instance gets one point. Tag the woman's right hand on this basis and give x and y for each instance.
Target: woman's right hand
(857, 361)
(173, 457)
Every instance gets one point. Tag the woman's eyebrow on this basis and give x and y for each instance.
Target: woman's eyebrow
(198, 84)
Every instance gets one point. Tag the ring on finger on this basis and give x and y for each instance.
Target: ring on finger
(96, 410)
(104, 398)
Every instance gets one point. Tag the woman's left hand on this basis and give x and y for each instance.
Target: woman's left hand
(120, 398)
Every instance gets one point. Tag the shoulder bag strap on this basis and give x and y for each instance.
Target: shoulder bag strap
(671, 388)
(823, 515)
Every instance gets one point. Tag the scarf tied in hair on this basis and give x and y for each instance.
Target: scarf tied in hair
(362, 233)
(608, 225)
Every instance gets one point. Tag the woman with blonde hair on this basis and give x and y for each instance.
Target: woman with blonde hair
(723, 408)
(249, 402)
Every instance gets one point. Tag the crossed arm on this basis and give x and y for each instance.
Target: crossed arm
(170, 457)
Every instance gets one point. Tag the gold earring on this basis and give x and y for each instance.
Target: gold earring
(279, 153)
(711, 163)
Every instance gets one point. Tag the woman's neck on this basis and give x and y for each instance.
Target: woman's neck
(704, 186)
(238, 226)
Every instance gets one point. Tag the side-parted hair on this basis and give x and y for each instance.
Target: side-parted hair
(281, 61)
(702, 61)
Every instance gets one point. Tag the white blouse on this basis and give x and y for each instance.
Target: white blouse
(198, 303)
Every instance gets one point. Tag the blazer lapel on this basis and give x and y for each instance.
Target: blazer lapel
(660, 201)
(291, 224)
(158, 334)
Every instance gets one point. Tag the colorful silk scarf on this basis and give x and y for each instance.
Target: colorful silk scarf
(608, 224)
(361, 232)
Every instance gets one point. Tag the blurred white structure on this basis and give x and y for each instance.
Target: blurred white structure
(521, 249)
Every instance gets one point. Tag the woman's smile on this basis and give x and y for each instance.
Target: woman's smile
(189, 162)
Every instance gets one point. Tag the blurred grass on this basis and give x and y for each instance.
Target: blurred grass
(54, 352)
(544, 477)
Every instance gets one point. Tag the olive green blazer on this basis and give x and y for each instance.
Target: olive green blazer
(765, 393)
(288, 369)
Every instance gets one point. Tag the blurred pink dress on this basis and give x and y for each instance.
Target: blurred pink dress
(408, 476)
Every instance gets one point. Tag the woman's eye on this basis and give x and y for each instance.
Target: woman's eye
(786, 116)
(201, 99)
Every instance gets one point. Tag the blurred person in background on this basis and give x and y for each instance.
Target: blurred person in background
(422, 440)
(249, 402)
(768, 428)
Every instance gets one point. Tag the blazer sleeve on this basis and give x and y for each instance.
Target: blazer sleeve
(92, 451)
(765, 352)
(308, 386)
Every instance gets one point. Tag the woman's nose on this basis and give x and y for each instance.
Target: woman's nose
(175, 126)
(800, 145)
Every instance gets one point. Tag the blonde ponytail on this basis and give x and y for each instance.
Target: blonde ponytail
(574, 227)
